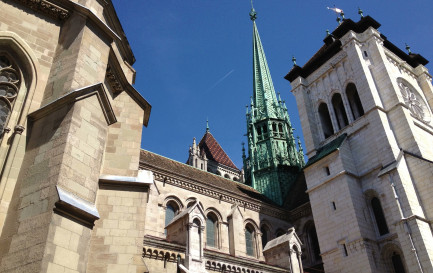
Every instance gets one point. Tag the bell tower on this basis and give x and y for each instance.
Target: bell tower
(366, 108)
(273, 161)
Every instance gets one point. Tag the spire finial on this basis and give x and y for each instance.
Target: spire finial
(408, 49)
(327, 33)
(207, 125)
(360, 12)
(294, 60)
(253, 13)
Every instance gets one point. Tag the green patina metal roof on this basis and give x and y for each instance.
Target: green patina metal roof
(274, 160)
(327, 149)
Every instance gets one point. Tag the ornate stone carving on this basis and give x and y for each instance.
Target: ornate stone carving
(414, 101)
(113, 80)
(9, 86)
(48, 8)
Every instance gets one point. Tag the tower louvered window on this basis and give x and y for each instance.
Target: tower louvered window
(9, 86)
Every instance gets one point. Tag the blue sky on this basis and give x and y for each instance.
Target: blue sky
(194, 58)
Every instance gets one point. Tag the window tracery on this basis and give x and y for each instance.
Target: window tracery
(9, 86)
(414, 101)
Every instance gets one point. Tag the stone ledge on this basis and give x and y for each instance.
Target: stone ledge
(76, 208)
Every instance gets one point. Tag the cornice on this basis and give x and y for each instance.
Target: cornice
(220, 194)
(301, 211)
(48, 8)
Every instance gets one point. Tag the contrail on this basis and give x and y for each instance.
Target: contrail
(220, 80)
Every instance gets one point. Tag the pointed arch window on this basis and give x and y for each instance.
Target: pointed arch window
(313, 242)
(265, 235)
(211, 230)
(9, 86)
(379, 216)
(250, 240)
(325, 120)
(340, 112)
(354, 101)
(397, 263)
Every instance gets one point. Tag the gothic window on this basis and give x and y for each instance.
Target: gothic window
(274, 128)
(171, 210)
(325, 120)
(339, 111)
(250, 240)
(211, 230)
(313, 242)
(265, 235)
(379, 216)
(280, 128)
(397, 263)
(354, 101)
(9, 86)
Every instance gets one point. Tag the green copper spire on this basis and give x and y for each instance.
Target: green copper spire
(273, 161)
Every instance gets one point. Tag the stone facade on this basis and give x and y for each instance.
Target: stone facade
(73, 115)
(370, 157)
(76, 192)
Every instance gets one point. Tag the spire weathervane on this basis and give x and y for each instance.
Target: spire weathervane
(253, 13)
(408, 49)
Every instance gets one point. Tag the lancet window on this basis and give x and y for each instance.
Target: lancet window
(340, 112)
(9, 86)
(250, 240)
(325, 120)
(265, 235)
(211, 230)
(172, 209)
(354, 101)
(379, 216)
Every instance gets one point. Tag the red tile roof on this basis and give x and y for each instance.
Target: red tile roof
(213, 151)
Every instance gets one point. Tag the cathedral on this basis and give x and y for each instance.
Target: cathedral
(78, 194)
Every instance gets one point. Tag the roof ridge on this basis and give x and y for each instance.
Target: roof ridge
(222, 157)
(194, 168)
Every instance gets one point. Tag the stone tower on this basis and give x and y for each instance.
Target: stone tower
(274, 161)
(365, 107)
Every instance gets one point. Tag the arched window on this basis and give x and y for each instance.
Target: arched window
(212, 230)
(9, 86)
(313, 242)
(379, 216)
(265, 235)
(354, 101)
(274, 128)
(397, 263)
(325, 120)
(227, 176)
(340, 113)
(172, 209)
(250, 240)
